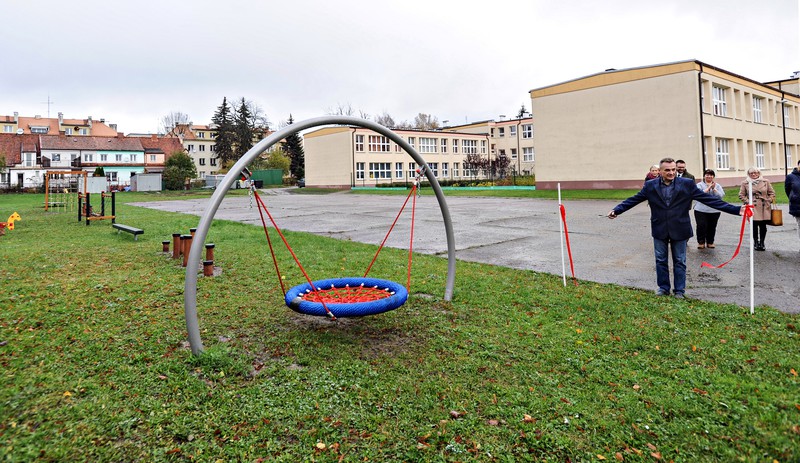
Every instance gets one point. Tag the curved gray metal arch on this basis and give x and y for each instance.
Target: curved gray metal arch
(190, 285)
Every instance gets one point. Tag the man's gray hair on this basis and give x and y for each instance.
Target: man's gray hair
(666, 160)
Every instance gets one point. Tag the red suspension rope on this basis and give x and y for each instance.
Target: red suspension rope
(374, 258)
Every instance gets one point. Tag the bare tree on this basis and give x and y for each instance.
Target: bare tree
(341, 110)
(175, 122)
(385, 120)
(426, 122)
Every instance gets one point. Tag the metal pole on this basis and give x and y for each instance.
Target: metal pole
(561, 238)
(190, 282)
(752, 224)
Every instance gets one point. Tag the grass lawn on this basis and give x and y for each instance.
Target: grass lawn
(96, 367)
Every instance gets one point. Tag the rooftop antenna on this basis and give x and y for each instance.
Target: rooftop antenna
(48, 103)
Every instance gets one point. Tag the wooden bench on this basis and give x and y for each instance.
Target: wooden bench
(128, 229)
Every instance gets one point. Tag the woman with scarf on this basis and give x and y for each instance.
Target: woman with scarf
(763, 197)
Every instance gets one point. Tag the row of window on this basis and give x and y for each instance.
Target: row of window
(427, 145)
(383, 170)
(202, 161)
(719, 97)
(190, 148)
(723, 156)
(44, 129)
(527, 131)
(527, 154)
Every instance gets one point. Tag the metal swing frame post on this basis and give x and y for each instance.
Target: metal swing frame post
(190, 284)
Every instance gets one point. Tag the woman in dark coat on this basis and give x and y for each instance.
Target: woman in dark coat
(792, 187)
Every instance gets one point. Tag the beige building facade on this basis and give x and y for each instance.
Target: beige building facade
(606, 129)
(343, 156)
(511, 138)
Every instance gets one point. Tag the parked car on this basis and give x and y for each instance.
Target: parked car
(301, 183)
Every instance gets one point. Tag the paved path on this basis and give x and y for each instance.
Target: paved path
(524, 234)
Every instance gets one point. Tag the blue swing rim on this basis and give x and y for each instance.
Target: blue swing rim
(353, 309)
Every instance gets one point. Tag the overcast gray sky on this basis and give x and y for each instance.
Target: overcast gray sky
(132, 62)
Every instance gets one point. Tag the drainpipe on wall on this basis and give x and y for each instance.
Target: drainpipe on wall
(353, 156)
(783, 126)
(702, 130)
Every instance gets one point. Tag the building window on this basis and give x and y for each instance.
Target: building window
(720, 105)
(412, 169)
(190, 148)
(8, 129)
(455, 169)
(111, 177)
(68, 131)
(39, 129)
(723, 154)
(444, 145)
(483, 146)
(527, 154)
(359, 171)
(56, 157)
(455, 146)
(412, 141)
(359, 142)
(29, 159)
(398, 170)
(201, 161)
(213, 161)
(84, 131)
(760, 154)
(527, 130)
(201, 147)
(445, 170)
(87, 157)
(380, 170)
(434, 168)
(427, 145)
(379, 144)
(213, 148)
(152, 158)
(512, 131)
(501, 132)
(786, 116)
(103, 158)
(513, 153)
(757, 109)
(201, 135)
(119, 157)
(470, 146)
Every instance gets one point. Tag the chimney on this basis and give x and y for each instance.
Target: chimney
(102, 120)
(60, 118)
(16, 117)
(90, 121)
(153, 136)
(113, 126)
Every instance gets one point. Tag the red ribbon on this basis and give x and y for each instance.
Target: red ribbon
(748, 212)
(566, 235)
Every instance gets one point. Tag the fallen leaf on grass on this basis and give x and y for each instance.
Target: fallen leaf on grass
(618, 456)
(652, 447)
(321, 446)
(528, 419)
(699, 391)
(456, 415)
(655, 455)
(492, 422)
(636, 387)
(793, 371)
(600, 457)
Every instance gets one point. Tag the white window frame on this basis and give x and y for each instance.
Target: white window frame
(720, 102)
(68, 131)
(757, 109)
(759, 154)
(444, 145)
(470, 146)
(512, 131)
(527, 131)
(380, 170)
(427, 145)
(786, 121)
(8, 129)
(501, 132)
(434, 166)
(723, 155)
(412, 169)
(103, 158)
(359, 171)
(528, 154)
(379, 144)
(456, 166)
(455, 146)
(359, 143)
(87, 157)
(398, 170)
(445, 169)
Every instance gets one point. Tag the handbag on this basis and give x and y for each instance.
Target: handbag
(776, 216)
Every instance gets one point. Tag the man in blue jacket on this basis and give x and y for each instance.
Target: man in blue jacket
(670, 200)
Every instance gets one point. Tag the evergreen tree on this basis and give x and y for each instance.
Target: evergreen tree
(243, 130)
(225, 133)
(293, 147)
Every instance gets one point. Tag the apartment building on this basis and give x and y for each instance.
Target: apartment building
(17, 124)
(199, 141)
(344, 156)
(605, 129)
(511, 138)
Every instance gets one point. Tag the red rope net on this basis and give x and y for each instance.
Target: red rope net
(346, 295)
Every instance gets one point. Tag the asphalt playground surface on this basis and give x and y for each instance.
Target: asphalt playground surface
(525, 234)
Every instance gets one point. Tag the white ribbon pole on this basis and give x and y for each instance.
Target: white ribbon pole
(752, 224)
(561, 238)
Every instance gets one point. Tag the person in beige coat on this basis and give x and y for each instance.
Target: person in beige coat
(763, 197)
